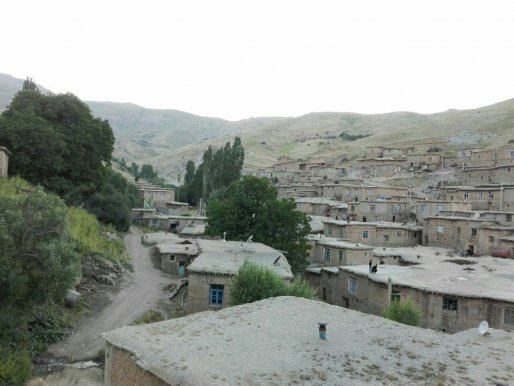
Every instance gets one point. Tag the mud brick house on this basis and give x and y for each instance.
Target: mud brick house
(175, 256)
(427, 162)
(157, 196)
(211, 273)
(380, 210)
(426, 208)
(318, 206)
(380, 233)
(478, 233)
(453, 294)
(329, 251)
(483, 197)
(4, 161)
(276, 342)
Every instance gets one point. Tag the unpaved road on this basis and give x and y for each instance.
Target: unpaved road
(140, 292)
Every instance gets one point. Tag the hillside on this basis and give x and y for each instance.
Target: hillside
(168, 138)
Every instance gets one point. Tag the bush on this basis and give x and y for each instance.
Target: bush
(406, 312)
(150, 316)
(15, 366)
(253, 282)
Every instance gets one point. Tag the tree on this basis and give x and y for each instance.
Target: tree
(406, 312)
(254, 282)
(250, 207)
(29, 84)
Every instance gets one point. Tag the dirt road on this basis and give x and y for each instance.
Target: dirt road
(140, 292)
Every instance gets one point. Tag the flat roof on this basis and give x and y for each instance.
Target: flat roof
(338, 243)
(226, 257)
(193, 229)
(378, 224)
(178, 248)
(321, 200)
(483, 277)
(276, 342)
(316, 223)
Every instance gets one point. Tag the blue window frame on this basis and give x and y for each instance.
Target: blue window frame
(216, 294)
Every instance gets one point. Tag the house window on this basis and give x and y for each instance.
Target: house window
(341, 256)
(386, 237)
(508, 316)
(365, 234)
(329, 230)
(491, 195)
(466, 194)
(327, 255)
(480, 194)
(395, 296)
(491, 239)
(370, 192)
(398, 233)
(352, 286)
(171, 258)
(216, 294)
(423, 208)
(508, 218)
(372, 208)
(440, 229)
(439, 208)
(473, 232)
(449, 304)
(458, 230)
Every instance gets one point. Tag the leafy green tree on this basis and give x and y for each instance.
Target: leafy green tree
(29, 84)
(190, 173)
(254, 282)
(405, 311)
(134, 169)
(250, 207)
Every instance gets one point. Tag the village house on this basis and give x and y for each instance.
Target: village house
(425, 162)
(211, 273)
(483, 197)
(362, 192)
(383, 167)
(318, 206)
(277, 342)
(387, 234)
(157, 197)
(175, 208)
(381, 152)
(427, 208)
(477, 157)
(330, 252)
(476, 233)
(298, 189)
(4, 161)
(175, 256)
(498, 175)
(453, 294)
(169, 223)
(382, 210)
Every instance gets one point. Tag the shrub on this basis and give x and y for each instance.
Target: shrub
(150, 316)
(15, 366)
(406, 312)
(254, 282)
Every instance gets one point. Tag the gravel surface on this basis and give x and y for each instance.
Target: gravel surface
(139, 292)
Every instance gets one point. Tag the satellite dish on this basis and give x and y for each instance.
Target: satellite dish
(477, 215)
(483, 327)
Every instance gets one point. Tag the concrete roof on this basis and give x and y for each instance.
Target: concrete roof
(176, 247)
(378, 224)
(159, 237)
(226, 257)
(177, 203)
(321, 200)
(276, 342)
(484, 277)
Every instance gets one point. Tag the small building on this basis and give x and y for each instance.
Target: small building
(453, 294)
(380, 233)
(176, 256)
(426, 162)
(329, 251)
(4, 161)
(175, 208)
(380, 210)
(211, 273)
(427, 208)
(158, 197)
(276, 342)
(318, 206)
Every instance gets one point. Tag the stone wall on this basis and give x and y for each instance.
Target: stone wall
(121, 370)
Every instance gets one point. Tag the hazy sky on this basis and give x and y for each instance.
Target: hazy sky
(237, 59)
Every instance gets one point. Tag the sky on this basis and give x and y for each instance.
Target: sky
(242, 59)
